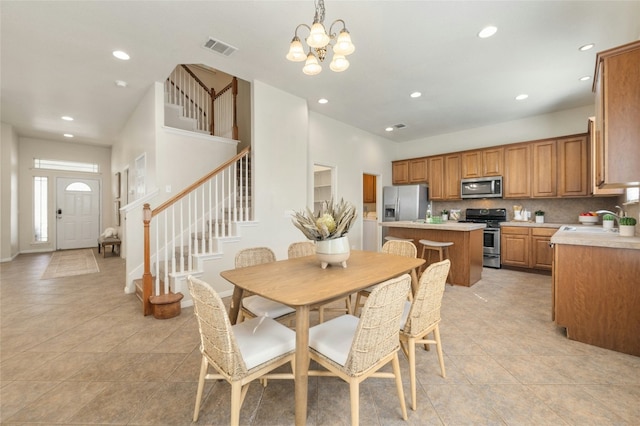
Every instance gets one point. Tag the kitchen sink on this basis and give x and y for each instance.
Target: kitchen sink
(589, 229)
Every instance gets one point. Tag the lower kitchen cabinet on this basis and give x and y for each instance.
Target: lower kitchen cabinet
(526, 247)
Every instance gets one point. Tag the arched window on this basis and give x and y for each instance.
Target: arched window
(78, 187)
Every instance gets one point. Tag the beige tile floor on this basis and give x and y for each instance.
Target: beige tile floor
(77, 350)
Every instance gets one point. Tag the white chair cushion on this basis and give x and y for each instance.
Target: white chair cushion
(263, 307)
(261, 342)
(333, 338)
(405, 314)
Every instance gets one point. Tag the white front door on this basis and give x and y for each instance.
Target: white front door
(77, 213)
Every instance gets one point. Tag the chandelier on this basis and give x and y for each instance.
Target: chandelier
(320, 41)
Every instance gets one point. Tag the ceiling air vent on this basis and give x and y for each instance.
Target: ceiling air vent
(400, 126)
(219, 47)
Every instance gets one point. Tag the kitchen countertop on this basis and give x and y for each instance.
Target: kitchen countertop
(449, 225)
(594, 236)
(532, 224)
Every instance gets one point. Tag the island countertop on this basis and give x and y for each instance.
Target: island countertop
(593, 236)
(449, 225)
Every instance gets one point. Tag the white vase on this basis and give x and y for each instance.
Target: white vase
(539, 219)
(627, 230)
(334, 251)
(607, 224)
(445, 217)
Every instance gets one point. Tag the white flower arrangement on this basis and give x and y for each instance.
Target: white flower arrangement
(332, 220)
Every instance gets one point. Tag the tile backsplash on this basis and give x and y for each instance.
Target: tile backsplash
(563, 210)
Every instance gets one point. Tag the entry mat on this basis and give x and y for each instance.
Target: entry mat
(68, 263)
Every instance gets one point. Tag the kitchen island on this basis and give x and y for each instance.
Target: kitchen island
(465, 253)
(596, 287)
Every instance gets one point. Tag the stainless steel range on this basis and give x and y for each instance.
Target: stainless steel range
(491, 243)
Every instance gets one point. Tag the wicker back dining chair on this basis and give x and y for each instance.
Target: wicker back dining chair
(422, 316)
(301, 249)
(257, 306)
(354, 349)
(397, 247)
(308, 248)
(240, 353)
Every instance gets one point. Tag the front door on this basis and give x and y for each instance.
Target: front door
(77, 213)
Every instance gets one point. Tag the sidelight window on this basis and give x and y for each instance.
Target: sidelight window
(40, 208)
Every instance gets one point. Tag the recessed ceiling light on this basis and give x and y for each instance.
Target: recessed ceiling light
(416, 94)
(68, 135)
(389, 129)
(323, 101)
(121, 83)
(487, 31)
(522, 97)
(586, 47)
(121, 55)
(585, 78)
(66, 118)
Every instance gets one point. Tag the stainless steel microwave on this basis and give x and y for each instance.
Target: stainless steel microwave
(487, 187)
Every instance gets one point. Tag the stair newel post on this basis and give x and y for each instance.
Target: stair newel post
(212, 98)
(234, 91)
(147, 279)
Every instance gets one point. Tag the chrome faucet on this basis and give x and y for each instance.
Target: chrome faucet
(620, 213)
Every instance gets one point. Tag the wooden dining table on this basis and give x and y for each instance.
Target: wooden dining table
(302, 284)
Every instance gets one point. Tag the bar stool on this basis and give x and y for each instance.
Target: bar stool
(442, 247)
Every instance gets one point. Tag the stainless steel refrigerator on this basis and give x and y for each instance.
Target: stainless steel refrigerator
(404, 202)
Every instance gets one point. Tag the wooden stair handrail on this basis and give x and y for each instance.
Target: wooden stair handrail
(195, 77)
(197, 183)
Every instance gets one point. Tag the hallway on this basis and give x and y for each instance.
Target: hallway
(77, 350)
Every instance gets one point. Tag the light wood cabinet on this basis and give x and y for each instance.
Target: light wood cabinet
(617, 89)
(573, 172)
(452, 172)
(436, 177)
(493, 162)
(418, 170)
(368, 188)
(400, 172)
(593, 185)
(409, 171)
(482, 163)
(541, 251)
(526, 247)
(514, 246)
(517, 171)
(543, 168)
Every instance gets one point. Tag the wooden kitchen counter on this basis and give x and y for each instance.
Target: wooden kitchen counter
(465, 253)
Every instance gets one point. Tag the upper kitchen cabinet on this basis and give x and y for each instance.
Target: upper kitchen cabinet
(617, 127)
(418, 170)
(452, 172)
(482, 163)
(573, 175)
(400, 172)
(436, 177)
(593, 185)
(517, 171)
(409, 171)
(543, 166)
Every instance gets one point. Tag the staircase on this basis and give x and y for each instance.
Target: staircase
(189, 229)
(190, 105)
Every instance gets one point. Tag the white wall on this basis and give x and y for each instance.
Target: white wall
(28, 149)
(351, 152)
(568, 122)
(9, 221)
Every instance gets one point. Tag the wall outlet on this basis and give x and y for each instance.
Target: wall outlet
(167, 188)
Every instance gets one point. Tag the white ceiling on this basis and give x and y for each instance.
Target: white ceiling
(56, 59)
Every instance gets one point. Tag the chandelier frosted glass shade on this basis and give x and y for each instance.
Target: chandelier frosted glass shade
(296, 51)
(339, 63)
(343, 45)
(311, 67)
(318, 36)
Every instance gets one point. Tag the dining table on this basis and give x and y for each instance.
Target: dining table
(302, 284)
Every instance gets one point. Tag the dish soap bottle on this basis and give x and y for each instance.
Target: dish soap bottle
(428, 218)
